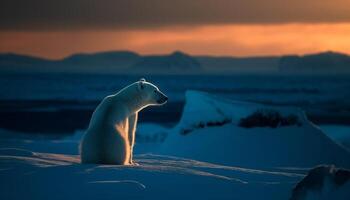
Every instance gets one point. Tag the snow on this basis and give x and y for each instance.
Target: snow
(229, 144)
(27, 174)
(151, 133)
(202, 107)
(210, 162)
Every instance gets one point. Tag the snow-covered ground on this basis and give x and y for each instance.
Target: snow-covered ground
(215, 158)
(31, 175)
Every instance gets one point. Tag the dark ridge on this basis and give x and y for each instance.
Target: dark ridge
(201, 125)
(268, 118)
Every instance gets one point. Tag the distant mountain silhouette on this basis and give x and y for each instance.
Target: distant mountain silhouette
(127, 62)
(326, 62)
(177, 62)
(112, 59)
(268, 64)
(11, 59)
(103, 62)
(10, 62)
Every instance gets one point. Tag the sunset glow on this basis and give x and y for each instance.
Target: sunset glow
(232, 40)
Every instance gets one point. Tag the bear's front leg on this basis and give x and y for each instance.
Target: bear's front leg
(131, 134)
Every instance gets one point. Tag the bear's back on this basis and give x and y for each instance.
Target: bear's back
(101, 113)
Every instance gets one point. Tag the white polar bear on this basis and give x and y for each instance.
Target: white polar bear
(110, 136)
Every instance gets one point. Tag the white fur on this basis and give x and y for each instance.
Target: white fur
(110, 136)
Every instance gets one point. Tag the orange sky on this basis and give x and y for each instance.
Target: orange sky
(235, 40)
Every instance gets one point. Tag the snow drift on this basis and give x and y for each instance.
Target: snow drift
(209, 130)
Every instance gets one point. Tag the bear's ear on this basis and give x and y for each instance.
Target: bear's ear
(141, 85)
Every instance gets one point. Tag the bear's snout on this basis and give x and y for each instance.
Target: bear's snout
(163, 99)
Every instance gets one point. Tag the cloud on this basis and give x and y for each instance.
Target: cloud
(145, 14)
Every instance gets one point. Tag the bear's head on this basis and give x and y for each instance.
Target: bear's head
(150, 93)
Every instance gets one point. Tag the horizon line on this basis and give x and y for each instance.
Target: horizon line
(169, 53)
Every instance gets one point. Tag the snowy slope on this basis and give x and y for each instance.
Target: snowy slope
(32, 175)
(215, 136)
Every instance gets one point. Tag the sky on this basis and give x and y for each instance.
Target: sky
(55, 29)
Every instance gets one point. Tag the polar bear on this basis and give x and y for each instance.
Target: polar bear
(110, 136)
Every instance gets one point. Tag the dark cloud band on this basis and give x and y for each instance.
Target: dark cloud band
(123, 14)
